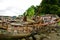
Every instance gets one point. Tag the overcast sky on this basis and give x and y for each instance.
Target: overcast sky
(16, 7)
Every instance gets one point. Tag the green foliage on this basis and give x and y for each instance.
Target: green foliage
(46, 7)
(49, 7)
(52, 2)
(30, 12)
(54, 9)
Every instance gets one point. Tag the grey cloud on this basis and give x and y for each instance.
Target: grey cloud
(2, 10)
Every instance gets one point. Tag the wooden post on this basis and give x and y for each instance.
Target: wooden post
(25, 18)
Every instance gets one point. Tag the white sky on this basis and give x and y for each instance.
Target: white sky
(16, 7)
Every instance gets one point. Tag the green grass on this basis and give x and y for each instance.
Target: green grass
(58, 23)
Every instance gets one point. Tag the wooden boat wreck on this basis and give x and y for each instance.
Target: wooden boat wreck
(25, 29)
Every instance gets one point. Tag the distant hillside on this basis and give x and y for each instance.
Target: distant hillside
(50, 7)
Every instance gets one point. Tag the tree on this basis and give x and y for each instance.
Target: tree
(49, 7)
(30, 12)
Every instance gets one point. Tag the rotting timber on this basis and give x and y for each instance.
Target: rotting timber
(36, 26)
